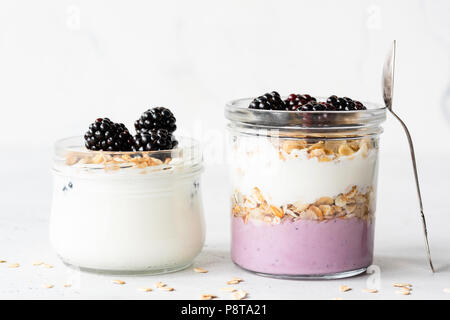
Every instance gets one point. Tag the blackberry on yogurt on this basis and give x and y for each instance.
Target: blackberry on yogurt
(268, 101)
(295, 101)
(105, 135)
(156, 139)
(156, 118)
(345, 103)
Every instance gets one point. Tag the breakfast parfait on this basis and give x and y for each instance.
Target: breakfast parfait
(128, 203)
(304, 173)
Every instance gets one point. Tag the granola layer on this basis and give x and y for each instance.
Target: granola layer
(352, 204)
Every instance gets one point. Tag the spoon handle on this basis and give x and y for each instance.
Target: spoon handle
(413, 158)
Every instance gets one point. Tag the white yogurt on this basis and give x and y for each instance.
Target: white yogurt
(125, 221)
(256, 163)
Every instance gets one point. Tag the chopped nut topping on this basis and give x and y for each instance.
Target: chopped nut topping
(200, 270)
(370, 290)
(345, 288)
(239, 295)
(119, 282)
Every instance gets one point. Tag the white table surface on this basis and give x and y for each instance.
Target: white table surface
(25, 196)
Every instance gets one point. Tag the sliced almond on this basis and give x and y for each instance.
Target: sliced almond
(345, 288)
(119, 282)
(239, 295)
(370, 290)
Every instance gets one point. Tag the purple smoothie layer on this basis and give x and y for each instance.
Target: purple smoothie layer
(303, 247)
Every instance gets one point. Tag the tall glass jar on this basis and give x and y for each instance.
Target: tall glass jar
(127, 212)
(303, 190)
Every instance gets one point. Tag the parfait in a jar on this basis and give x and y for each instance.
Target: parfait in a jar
(304, 173)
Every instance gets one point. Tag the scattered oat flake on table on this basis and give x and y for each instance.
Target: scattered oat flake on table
(337, 298)
(160, 285)
(200, 270)
(239, 295)
(370, 290)
(37, 263)
(14, 265)
(2, 261)
(48, 286)
(232, 282)
(237, 279)
(228, 289)
(402, 285)
(167, 288)
(345, 288)
(119, 282)
(446, 290)
(67, 285)
(208, 297)
(404, 292)
(145, 289)
(48, 266)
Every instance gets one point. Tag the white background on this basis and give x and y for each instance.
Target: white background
(65, 63)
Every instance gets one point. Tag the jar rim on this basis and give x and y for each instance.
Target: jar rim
(71, 152)
(237, 111)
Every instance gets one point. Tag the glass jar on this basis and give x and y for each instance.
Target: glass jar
(303, 190)
(127, 212)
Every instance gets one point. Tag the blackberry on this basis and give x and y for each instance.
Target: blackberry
(268, 101)
(316, 106)
(153, 140)
(294, 101)
(106, 135)
(345, 103)
(156, 118)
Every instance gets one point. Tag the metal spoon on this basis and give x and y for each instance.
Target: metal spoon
(388, 92)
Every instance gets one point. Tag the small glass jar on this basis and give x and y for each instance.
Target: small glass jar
(303, 190)
(127, 212)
